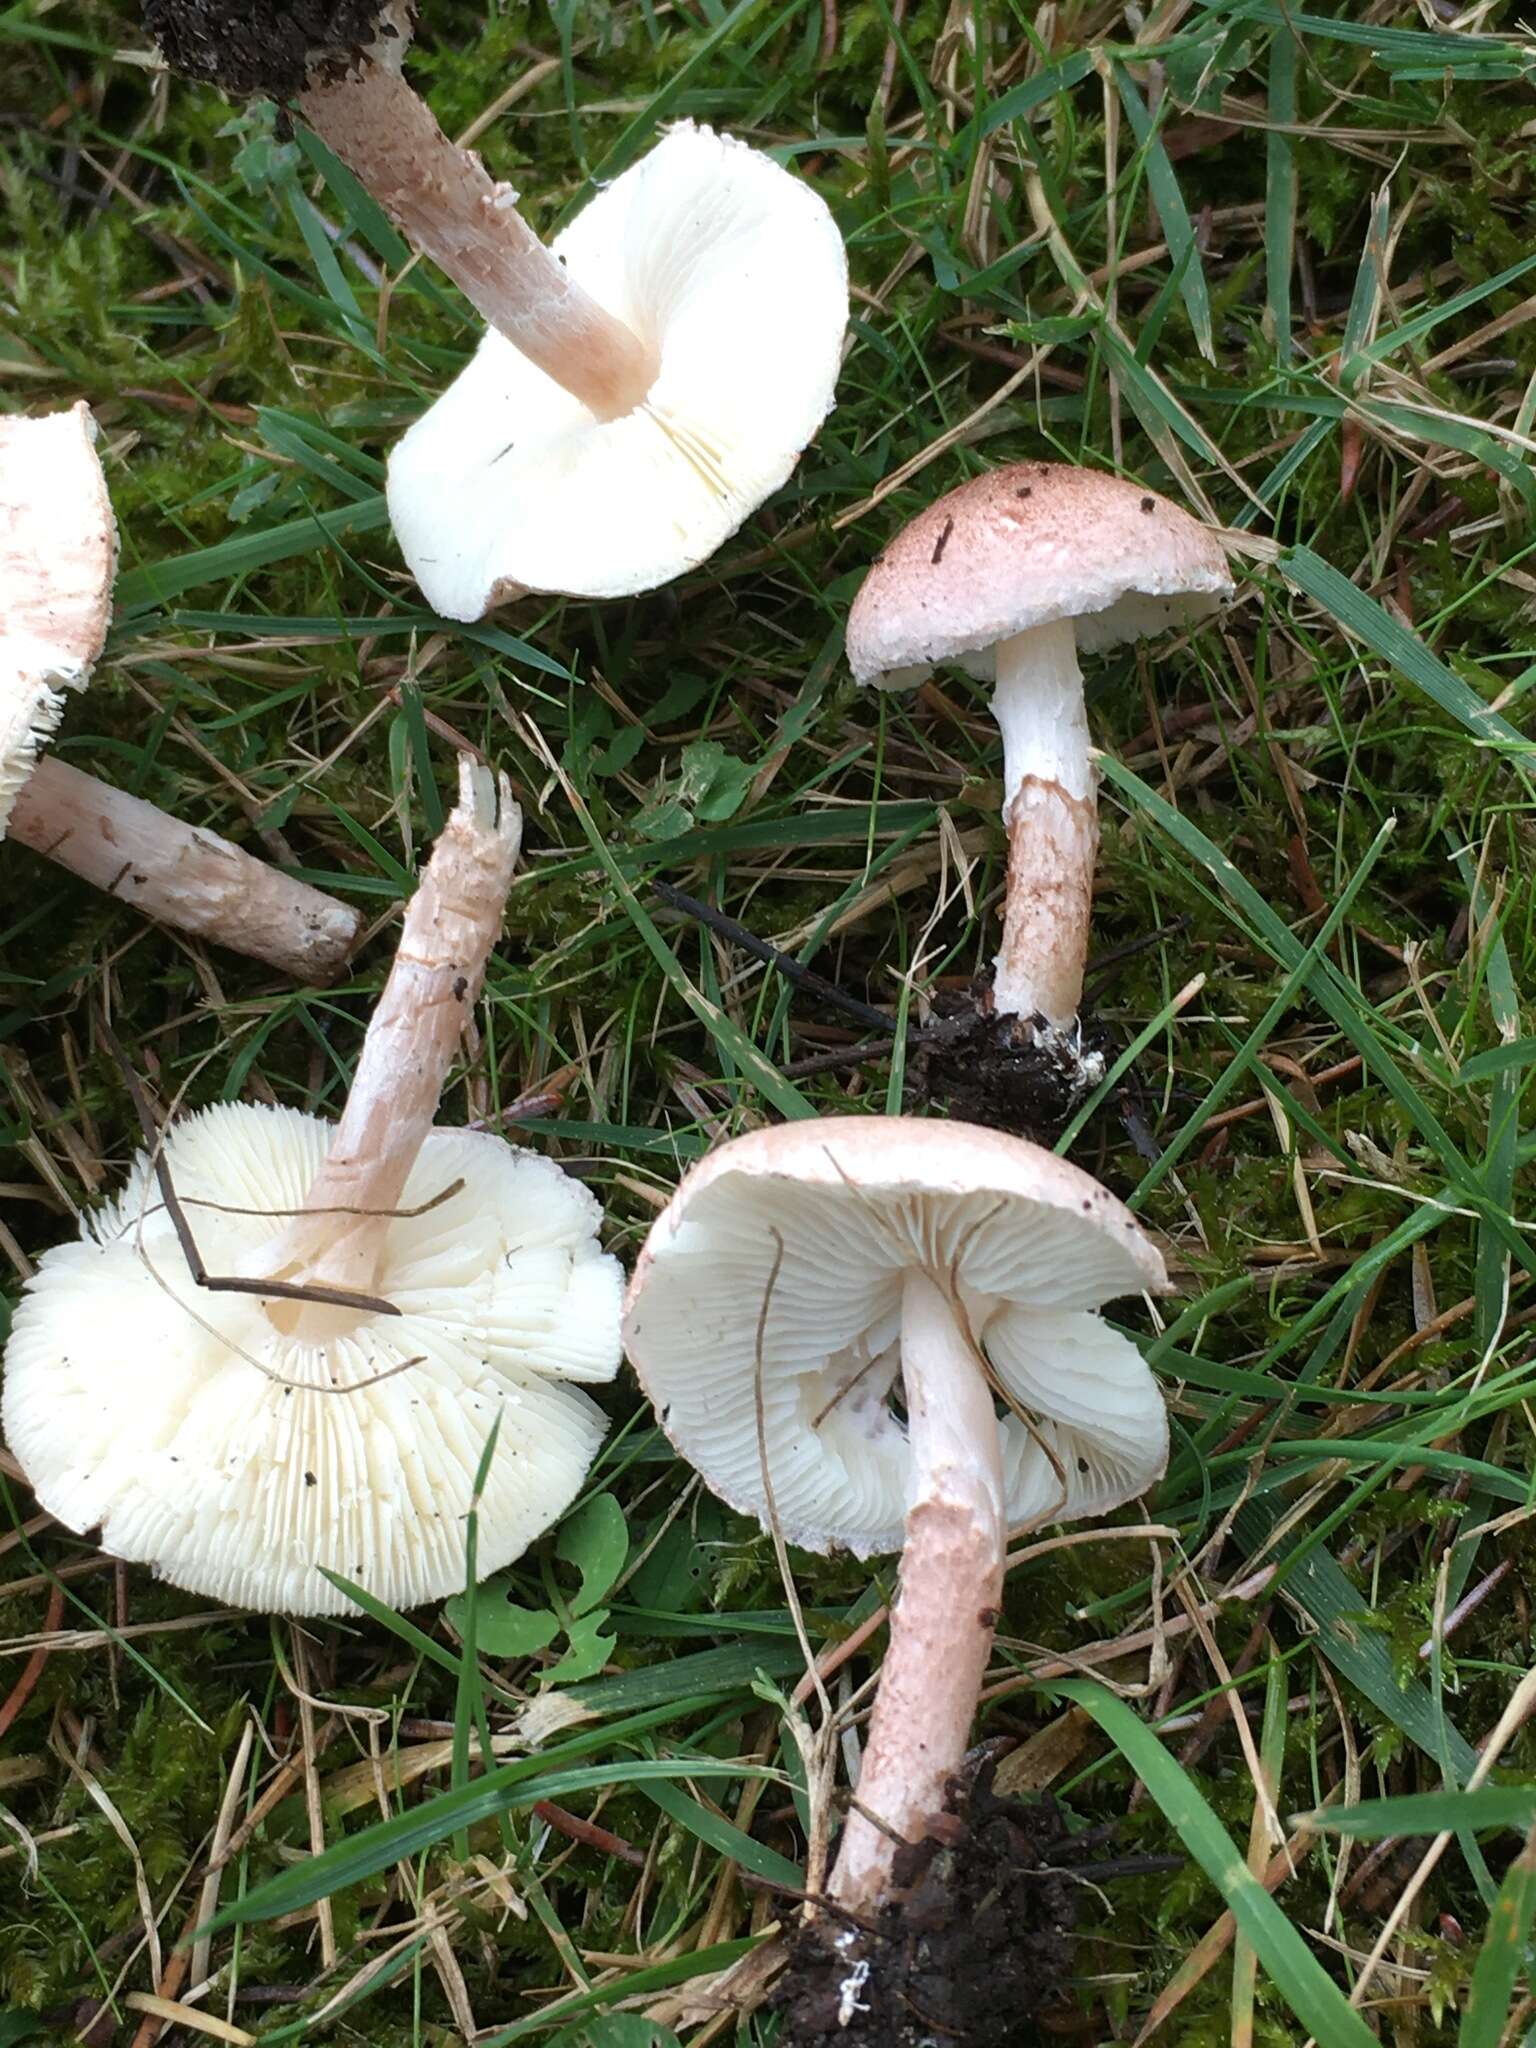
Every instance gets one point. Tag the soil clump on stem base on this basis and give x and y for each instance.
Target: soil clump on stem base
(1009, 1073)
(972, 1947)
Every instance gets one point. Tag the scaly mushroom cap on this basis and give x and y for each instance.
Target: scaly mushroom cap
(142, 1405)
(1022, 546)
(58, 548)
(733, 272)
(821, 1219)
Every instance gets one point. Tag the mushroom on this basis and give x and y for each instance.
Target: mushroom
(400, 1291)
(644, 383)
(57, 545)
(804, 1278)
(1013, 575)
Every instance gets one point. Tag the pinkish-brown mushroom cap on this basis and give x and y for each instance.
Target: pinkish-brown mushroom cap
(58, 548)
(1020, 547)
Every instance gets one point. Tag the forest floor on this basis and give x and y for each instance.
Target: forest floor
(1274, 263)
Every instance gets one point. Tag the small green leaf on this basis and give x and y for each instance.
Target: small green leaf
(619, 752)
(596, 1541)
(616, 2030)
(502, 1628)
(714, 782)
(589, 1651)
(666, 818)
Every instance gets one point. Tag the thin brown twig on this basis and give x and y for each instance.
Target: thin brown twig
(216, 1283)
(32, 1670)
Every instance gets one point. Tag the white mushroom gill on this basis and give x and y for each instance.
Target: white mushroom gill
(793, 1276)
(240, 1461)
(1026, 1281)
(733, 273)
(246, 1443)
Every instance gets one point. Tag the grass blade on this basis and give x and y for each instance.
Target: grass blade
(1503, 1955)
(1308, 1989)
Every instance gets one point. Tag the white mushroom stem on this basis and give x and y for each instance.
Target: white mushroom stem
(450, 927)
(951, 1583)
(444, 201)
(180, 874)
(1051, 811)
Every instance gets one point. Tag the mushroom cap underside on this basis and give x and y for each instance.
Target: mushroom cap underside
(763, 1320)
(240, 1463)
(732, 272)
(1021, 546)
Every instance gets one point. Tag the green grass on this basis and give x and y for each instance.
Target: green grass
(1245, 258)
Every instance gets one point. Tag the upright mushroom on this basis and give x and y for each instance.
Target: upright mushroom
(803, 1281)
(403, 1289)
(644, 384)
(1013, 575)
(57, 546)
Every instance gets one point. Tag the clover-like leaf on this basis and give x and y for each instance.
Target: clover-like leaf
(596, 1541)
(502, 1627)
(589, 1651)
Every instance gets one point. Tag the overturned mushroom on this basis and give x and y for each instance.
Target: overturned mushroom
(57, 546)
(1013, 575)
(646, 381)
(804, 1278)
(401, 1289)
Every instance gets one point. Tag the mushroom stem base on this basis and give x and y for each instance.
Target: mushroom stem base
(179, 874)
(1051, 811)
(451, 925)
(446, 203)
(946, 1611)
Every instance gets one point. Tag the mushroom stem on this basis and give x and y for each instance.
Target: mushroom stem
(450, 927)
(444, 201)
(180, 874)
(951, 1584)
(1051, 811)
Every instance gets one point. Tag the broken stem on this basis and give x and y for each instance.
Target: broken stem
(445, 202)
(450, 927)
(180, 874)
(951, 1583)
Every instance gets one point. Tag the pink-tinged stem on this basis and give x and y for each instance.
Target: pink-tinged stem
(1050, 808)
(1053, 844)
(445, 202)
(450, 926)
(946, 1610)
(179, 874)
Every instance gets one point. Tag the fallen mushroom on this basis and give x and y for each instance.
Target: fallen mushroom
(645, 382)
(1013, 575)
(57, 547)
(804, 1278)
(401, 1290)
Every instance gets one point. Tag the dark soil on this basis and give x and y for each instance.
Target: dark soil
(973, 1947)
(993, 1070)
(252, 48)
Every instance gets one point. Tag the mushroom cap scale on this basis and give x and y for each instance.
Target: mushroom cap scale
(1022, 546)
(734, 273)
(137, 1402)
(823, 1218)
(58, 549)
